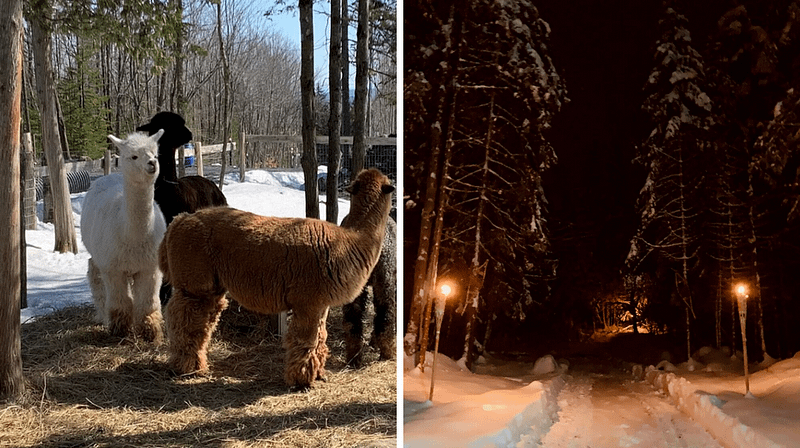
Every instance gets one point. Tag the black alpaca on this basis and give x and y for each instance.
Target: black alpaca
(175, 196)
(383, 281)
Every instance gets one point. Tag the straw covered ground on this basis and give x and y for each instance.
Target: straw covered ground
(88, 389)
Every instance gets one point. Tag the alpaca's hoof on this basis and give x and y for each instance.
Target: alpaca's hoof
(119, 324)
(150, 330)
(300, 388)
(189, 365)
(387, 347)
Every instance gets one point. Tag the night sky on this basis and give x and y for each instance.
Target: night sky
(604, 51)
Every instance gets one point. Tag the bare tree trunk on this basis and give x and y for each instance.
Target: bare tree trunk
(347, 123)
(226, 75)
(309, 159)
(362, 81)
(11, 378)
(65, 238)
(335, 120)
(62, 130)
(180, 99)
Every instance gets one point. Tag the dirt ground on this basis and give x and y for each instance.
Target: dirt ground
(85, 388)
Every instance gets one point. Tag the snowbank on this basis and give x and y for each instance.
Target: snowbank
(715, 399)
(476, 410)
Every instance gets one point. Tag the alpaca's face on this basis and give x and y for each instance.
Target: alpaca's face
(139, 156)
(370, 186)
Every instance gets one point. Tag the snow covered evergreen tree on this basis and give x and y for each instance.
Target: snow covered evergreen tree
(503, 92)
(671, 202)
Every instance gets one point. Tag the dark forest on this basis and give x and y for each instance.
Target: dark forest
(602, 166)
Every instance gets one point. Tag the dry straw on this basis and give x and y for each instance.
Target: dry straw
(88, 389)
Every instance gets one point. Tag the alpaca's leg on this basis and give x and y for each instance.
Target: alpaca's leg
(306, 349)
(119, 304)
(147, 306)
(354, 329)
(321, 350)
(190, 322)
(384, 337)
(98, 291)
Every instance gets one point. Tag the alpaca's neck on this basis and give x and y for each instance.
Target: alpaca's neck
(166, 161)
(138, 207)
(369, 219)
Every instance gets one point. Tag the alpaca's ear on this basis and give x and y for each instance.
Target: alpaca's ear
(114, 140)
(157, 135)
(387, 189)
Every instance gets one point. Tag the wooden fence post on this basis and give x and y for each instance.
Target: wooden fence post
(242, 156)
(198, 157)
(107, 164)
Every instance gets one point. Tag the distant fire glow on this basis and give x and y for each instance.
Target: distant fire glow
(741, 289)
(446, 289)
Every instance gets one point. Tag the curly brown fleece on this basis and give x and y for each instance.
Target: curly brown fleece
(270, 265)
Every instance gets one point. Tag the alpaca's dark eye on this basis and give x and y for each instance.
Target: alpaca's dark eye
(134, 157)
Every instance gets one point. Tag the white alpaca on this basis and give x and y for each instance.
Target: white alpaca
(122, 228)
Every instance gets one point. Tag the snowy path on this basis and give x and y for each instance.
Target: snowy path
(608, 410)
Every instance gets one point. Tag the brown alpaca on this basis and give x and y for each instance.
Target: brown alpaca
(270, 265)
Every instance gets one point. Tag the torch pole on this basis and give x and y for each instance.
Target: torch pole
(743, 322)
(439, 315)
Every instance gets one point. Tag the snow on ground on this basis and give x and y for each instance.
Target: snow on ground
(476, 410)
(713, 394)
(684, 406)
(59, 280)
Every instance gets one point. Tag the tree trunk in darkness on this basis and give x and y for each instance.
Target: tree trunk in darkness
(756, 294)
(11, 28)
(415, 339)
(433, 262)
(476, 279)
(335, 120)
(362, 82)
(65, 238)
(309, 158)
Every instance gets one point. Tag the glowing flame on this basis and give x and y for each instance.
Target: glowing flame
(446, 289)
(741, 289)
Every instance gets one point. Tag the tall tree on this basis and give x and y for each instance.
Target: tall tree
(11, 379)
(309, 157)
(362, 85)
(347, 121)
(41, 30)
(226, 81)
(463, 96)
(674, 155)
(335, 81)
(503, 238)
